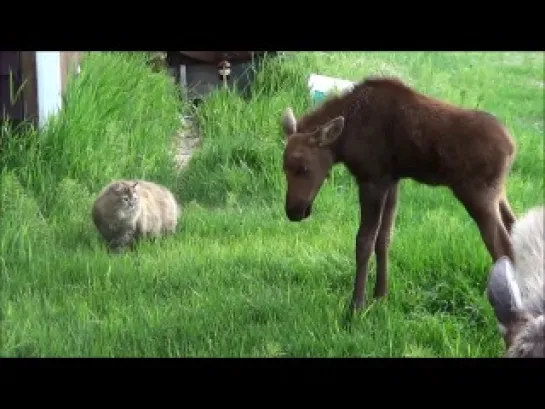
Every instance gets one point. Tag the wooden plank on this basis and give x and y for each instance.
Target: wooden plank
(30, 90)
(69, 63)
(11, 100)
(9, 61)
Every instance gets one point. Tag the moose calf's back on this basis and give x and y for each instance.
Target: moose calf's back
(408, 134)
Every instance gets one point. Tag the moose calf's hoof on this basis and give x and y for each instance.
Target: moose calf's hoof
(357, 305)
(379, 294)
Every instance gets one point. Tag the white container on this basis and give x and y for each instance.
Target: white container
(320, 86)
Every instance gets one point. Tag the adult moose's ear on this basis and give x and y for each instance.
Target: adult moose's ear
(329, 132)
(504, 294)
(289, 123)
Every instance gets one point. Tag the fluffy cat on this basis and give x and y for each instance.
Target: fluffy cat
(129, 209)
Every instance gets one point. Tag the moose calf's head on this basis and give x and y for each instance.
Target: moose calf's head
(308, 158)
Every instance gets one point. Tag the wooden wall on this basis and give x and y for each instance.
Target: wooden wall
(11, 107)
(69, 63)
(22, 66)
(30, 90)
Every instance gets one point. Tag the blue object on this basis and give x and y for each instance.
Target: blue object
(318, 96)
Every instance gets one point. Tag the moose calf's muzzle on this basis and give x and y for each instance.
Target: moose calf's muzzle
(298, 212)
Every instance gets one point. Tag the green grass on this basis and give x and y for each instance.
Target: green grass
(238, 279)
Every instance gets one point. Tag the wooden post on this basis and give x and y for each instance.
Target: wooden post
(30, 93)
(69, 64)
(27, 74)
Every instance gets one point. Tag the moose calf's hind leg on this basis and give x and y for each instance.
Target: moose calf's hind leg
(383, 242)
(485, 211)
(507, 215)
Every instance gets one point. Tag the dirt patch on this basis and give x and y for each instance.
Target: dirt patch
(187, 139)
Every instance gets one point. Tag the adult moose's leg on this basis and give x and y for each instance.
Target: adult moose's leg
(483, 205)
(372, 198)
(384, 239)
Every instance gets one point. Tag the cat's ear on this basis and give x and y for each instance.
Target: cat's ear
(135, 184)
(117, 187)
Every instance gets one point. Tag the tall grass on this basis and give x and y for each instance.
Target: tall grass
(118, 120)
(238, 279)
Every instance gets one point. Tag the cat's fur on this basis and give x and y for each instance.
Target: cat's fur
(516, 289)
(129, 209)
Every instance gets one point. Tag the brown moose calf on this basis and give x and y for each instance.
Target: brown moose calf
(383, 131)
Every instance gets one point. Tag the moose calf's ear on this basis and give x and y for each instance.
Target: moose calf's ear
(289, 123)
(503, 293)
(329, 132)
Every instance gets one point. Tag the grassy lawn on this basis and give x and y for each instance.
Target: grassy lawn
(238, 279)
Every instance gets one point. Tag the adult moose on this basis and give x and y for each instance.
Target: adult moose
(384, 131)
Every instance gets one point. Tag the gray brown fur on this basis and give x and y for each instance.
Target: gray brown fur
(383, 131)
(127, 210)
(516, 289)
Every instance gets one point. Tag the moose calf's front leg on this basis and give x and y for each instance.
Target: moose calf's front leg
(371, 202)
(383, 241)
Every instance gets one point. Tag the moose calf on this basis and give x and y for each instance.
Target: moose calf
(383, 131)
(516, 292)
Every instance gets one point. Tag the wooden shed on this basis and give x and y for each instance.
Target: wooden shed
(200, 72)
(32, 83)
